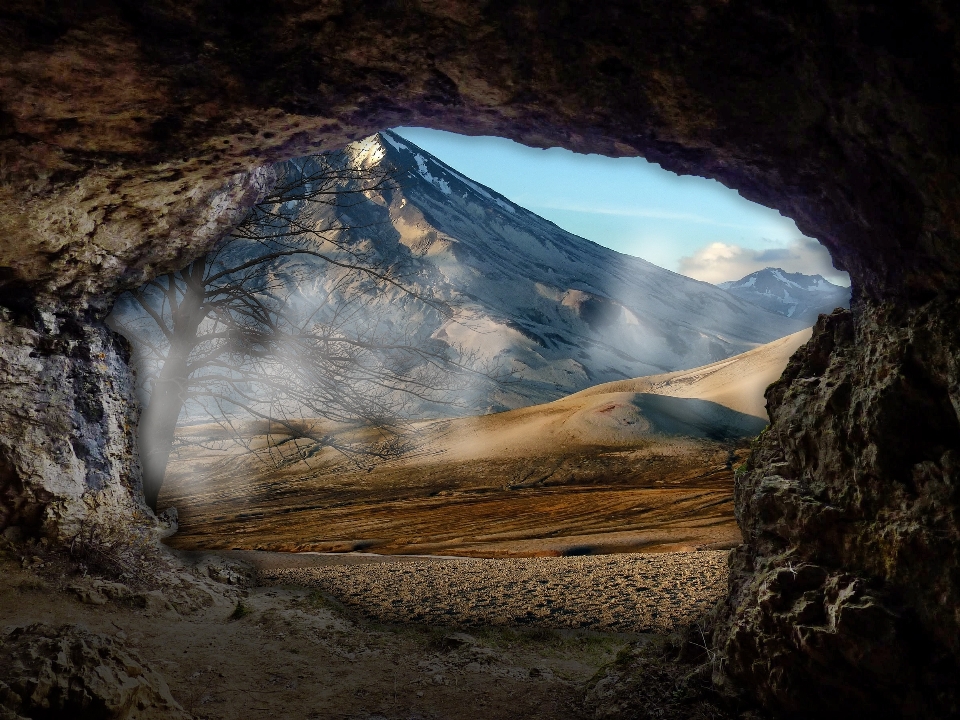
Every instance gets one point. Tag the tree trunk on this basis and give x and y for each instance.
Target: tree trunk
(158, 424)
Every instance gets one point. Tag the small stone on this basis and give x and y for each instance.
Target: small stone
(87, 594)
(458, 640)
(154, 603)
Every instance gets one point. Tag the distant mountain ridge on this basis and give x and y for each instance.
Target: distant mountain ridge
(793, 295)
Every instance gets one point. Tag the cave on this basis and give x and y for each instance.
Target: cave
(134, 136)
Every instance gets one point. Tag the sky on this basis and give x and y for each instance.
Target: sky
(687, 224)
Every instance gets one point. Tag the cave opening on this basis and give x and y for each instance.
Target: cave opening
(390, 357)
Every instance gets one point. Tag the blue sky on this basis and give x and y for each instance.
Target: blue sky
(684, 223)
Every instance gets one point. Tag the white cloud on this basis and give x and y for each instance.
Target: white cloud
(718, 262)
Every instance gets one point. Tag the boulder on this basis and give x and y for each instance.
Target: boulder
(70, 672)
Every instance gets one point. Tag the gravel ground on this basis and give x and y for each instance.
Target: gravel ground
(621, 593)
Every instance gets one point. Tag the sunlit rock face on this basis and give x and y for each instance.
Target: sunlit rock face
(130, 139)
(67, 461)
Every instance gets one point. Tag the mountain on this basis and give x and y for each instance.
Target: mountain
(793, 295)
(565, 312)
(557, 312)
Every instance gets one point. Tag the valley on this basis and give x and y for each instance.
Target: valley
(644, 465)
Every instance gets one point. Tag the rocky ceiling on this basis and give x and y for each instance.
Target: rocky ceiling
(132, 135)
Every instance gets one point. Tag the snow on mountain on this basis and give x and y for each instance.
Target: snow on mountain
(561, 312)
(558, 312)
(793, 295)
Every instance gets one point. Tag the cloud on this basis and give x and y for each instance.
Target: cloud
(718, 262)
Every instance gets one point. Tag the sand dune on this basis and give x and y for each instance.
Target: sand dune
(737, 383)
(721, 401)
(637, 465)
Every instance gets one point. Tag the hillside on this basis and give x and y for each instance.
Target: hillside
(553, 311)
(643, 465)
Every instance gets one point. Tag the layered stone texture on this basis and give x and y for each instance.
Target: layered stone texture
(132, 135)
(850, 510)
(67, 457)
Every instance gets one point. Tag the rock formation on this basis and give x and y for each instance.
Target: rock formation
(69, 671)
(850, 511)
(133, 135)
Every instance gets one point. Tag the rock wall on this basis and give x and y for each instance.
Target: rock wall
(847, 583)
(67, 458)
(133, 134)
(122, 123)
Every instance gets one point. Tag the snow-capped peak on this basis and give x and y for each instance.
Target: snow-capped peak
(407, 156)
(794, 295)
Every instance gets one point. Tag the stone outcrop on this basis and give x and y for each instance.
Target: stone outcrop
(71, 672)
(129, 131)
(850, 510)
(133, 134)
(67, 460)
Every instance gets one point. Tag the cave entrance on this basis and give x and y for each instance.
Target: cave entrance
(397, 355)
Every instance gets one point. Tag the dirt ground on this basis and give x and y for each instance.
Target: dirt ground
(231, 643)
(667, 497)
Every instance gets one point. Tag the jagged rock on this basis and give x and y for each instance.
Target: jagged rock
(849, 579)
(66, 450)
(72, 672)
(98, 592)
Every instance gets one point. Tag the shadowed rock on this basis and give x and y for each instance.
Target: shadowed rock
(71, 672)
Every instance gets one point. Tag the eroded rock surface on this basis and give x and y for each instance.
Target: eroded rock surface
(71, 672)
(67, 459)
(128, 131)
(849, 581)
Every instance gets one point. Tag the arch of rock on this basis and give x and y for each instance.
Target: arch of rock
(131, 139)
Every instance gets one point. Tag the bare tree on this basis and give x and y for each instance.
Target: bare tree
(249, 331)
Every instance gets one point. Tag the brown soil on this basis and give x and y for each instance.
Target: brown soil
(288, 651)
(675, 496)
(639, 465)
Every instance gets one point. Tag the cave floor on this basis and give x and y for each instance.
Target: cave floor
(296, 654)
(232, 643)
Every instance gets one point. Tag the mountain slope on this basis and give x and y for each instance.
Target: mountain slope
(564, 313)
(558, 313)
(794, 295)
